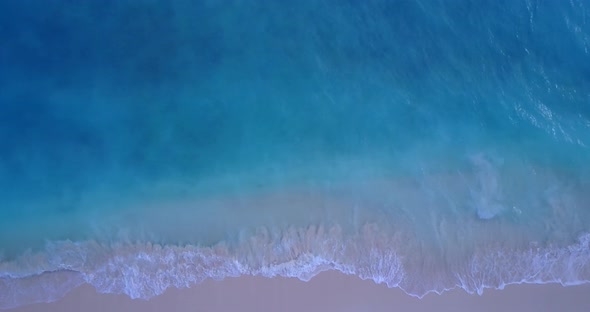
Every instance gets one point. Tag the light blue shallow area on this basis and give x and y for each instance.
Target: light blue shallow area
(457, 123)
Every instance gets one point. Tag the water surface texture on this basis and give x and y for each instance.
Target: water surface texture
(423, 144)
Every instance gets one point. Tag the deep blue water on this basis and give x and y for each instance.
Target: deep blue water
(453, 134)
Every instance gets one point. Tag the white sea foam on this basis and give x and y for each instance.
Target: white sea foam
(145, 270)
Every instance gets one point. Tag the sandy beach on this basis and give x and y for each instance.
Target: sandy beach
(329, 291)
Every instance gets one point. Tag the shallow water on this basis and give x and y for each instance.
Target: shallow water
(424, 144)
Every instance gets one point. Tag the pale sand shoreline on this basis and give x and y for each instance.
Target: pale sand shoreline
(329, 291)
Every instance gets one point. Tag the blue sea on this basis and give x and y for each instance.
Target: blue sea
(425, 144)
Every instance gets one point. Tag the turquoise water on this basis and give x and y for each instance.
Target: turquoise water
(427, 145)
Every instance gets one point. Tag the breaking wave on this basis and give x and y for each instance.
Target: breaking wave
(145, 270)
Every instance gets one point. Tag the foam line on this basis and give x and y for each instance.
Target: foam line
(145, 270)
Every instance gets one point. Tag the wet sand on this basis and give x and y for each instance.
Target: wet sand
(329, 291)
